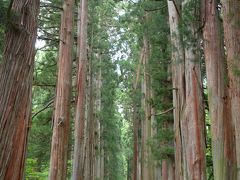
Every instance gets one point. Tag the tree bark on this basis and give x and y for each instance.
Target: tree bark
(97, 167)
(193, 128)
(78, 156)
(171, 169)
(86, 162)
(58, 161)
(145, 105)
(102, 156)
(135, 120)
(16, 76)
(164, 170)
(231, 23)
(222, 127)
(178, 81)
(90, 124)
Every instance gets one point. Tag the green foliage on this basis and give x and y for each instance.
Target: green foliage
(103, 36)
(3, 11)
(40, 133)
(159, 67)
(32, 172)
(190, 25)
(235, 68)
(209, 160)
(4, 7)
(111, 124)
(115, 32)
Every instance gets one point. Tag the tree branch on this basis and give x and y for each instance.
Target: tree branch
(164, 112)
(44, 108)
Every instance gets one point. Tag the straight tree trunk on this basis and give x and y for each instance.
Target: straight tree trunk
(145, 105)
(135, 120)
(171, 169)
(135, 148)
(139, 148)
(102, 156)
(97, 169)
(60, 137)
(90, 124)
(164, 169)
(78, 157)
(153, 133)
(231, 23)
(158, 173)
(87, 126)
(91, 113)
(222, 126)
(16, 76)
(193, 125)
(179, 87)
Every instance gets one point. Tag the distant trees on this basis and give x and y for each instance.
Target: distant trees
(143, 77)
(16, 76)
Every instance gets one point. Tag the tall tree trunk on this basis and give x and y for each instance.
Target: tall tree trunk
(135, 142)
(135, 120)
(102, 156)
(91, 111)
(153, 133)
(90, 125)
(145, 106)
(78, 156)
(171, 169)
(193, 129)
(97, 169)
(178, 80)
(222, 136)
(139, 148)
(164, 169)
(231, 22)
(16, 76)
(158, 173)
(58, 161)
(86, 162)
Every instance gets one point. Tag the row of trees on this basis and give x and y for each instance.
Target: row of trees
(94, 154)
(133, 76)
(198, 31)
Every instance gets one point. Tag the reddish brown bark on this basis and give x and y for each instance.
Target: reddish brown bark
(15, 88)
(220, 110)
(58, 161)
(193, 125)
(178, 80)
(78, 157)
(231, 22)
(229, 141)
(164, 170)
(146, 122)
